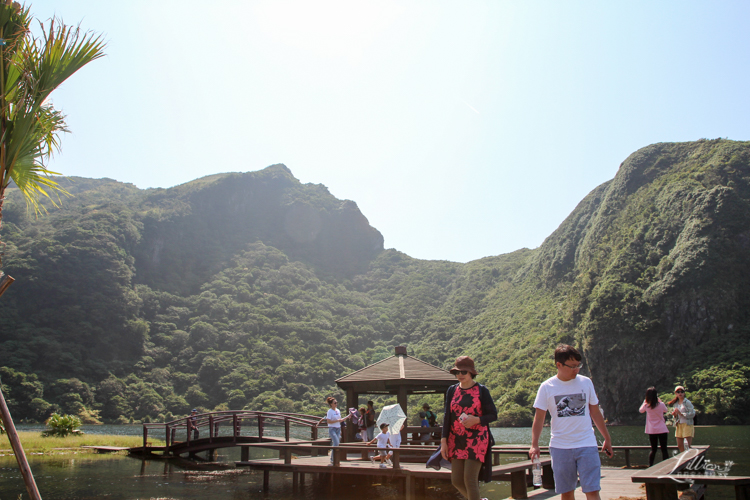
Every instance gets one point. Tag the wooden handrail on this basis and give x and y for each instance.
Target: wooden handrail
(214, 419)
(302, 419)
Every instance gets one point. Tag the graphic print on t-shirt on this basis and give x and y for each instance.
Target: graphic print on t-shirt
(571, 405)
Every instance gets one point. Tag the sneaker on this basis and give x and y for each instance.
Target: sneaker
(388, 461)
(372, 459)
(383, 466)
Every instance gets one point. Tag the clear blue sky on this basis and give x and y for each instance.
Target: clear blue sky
(461, 129)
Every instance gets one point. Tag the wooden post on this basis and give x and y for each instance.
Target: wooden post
(244, 454)
(402, 400)
(396, 458)
(210, 428)
(742, 491)
(351, 402)
(266, 473)
(295, 481)
(260, 427)
(166, 439)
(518, 484)
(408, 485)
(548, 478)
(15, 443)
(286, 429)
(187, 424)
(5, 282)
(627, 457)
(656, 491)
(145, 437)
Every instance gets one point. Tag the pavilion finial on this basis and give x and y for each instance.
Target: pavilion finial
(401, 350)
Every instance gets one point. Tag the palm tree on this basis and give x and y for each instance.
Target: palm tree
(30, 69)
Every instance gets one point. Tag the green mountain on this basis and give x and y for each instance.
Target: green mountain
(255, 290)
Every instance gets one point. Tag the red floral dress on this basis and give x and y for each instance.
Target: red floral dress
(468, 443)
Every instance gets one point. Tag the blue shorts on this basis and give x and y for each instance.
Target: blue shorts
(568, 465)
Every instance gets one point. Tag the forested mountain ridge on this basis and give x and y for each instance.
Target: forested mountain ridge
(255, 290)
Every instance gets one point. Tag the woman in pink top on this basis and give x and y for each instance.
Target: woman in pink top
(655, 427)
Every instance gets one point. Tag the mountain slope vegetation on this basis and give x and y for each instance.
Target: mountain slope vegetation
(255, 290)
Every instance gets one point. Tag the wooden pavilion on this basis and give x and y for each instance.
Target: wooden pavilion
(399, 374)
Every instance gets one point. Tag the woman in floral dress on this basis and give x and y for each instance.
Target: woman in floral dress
(467, 440)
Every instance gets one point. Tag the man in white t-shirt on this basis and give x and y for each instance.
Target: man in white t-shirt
(571, 400)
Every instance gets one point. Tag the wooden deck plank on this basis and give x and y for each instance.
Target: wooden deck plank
(357, 466)
(615, 483)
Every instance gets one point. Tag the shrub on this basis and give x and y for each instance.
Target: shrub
(62, 425)
(122, 420)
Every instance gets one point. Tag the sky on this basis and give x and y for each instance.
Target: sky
(461, 129)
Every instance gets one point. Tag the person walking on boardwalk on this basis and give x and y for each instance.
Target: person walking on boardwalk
(333, 417)
(572, 402)
(383, 441)
(656, 429)
(362, 426)
(684, 412)
(370, 420)
(466, 440)
(193, 423)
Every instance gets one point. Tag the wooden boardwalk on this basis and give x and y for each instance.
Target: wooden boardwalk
(414, 473)
(615, 483)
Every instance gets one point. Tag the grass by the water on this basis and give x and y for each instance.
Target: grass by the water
(33, 442)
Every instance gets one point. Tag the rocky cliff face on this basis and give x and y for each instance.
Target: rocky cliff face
(191, 231)
(656, 264)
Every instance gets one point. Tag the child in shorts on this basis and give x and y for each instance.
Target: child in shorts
(382, 440)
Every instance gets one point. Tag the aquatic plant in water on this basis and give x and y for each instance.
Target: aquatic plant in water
(62, 425)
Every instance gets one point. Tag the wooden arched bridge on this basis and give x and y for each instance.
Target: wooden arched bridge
(225, 429)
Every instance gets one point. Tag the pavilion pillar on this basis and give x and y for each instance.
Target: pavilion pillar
(401, 399)
(351, 402)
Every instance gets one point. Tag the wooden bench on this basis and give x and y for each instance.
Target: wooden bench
(663, 480)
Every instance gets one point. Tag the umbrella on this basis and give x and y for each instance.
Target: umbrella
(394, 416)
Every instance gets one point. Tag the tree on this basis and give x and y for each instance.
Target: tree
(31, 68)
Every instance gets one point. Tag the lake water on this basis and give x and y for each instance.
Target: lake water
(118, 477)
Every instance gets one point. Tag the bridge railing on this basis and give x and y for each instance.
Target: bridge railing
(237, 420)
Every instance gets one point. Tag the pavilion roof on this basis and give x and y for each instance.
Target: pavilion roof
(398, 370)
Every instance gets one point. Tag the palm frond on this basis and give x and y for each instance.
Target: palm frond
(36, 183)
(30, 126)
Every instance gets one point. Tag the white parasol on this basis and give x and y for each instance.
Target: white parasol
(394, 416)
